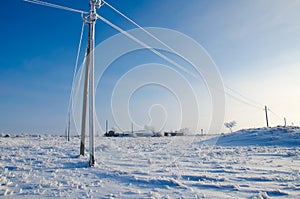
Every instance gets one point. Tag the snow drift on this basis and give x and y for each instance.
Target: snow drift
(276, 136)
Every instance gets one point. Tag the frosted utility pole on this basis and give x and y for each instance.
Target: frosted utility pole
(88, 92)
(92, 21)
(267, 119)
(85, 96)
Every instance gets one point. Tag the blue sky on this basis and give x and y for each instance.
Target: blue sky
(254, 43)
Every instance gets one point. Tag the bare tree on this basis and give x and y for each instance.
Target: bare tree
(230, 125)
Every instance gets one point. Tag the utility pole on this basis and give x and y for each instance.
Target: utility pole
(284, 122)
(88, 90)
(92, 22)
(68, 128)
(267, 119)
(106, 127)
(85, 96)
(132, 128)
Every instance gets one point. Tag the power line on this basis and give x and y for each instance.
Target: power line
(275, 114)
(43, 3)
(243, 99)
(244, 102)
(243, 96)
(166, 58)
(253, 103)
(73, 80)
(145, 45)
(152, 36)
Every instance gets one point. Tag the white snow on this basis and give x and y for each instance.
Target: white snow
(255, 163)
(277, 136)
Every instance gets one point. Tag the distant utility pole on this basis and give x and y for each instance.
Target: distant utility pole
(68, 129)
(131, 127)
(267, 119)
(106, 126)
(284, 122)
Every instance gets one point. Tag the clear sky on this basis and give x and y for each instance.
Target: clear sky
(254, 43)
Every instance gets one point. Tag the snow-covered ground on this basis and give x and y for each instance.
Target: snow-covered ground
(261, 166)
(277, 136)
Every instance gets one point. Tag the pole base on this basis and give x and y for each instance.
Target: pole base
(92, 161)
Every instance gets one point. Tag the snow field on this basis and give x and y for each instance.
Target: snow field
(162, 167)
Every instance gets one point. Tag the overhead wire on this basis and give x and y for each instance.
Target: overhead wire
(164, 57)
(43, 3)
(242, 98)
(74, 76)
(150, 34)
(276, 115)
(245, 100)
(253, 103)
(280, 117)
(144, 45)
